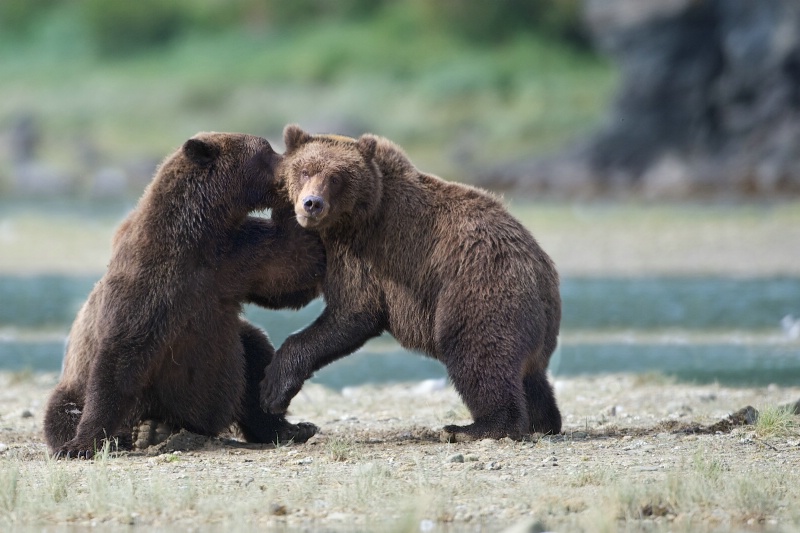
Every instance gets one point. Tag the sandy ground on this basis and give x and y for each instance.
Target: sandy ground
(636, 453)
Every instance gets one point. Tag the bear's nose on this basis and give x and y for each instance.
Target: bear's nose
(313, 205)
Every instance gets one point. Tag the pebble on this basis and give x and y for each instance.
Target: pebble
(493, 465)
(455, 458)
(27, 413)
(429, 385)
(426, 525)
(527, 525)
(278, 509)
(3, 447)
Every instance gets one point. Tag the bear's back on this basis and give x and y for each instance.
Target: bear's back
(455, 225)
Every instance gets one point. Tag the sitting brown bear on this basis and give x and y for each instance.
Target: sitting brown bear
(441, 266)
(161, 336)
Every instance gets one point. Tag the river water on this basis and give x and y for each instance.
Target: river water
(703, 329)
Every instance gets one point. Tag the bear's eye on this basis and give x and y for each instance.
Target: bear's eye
(334, 180)
(304, 174)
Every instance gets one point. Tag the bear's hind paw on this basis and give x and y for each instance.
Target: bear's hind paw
(473, 432)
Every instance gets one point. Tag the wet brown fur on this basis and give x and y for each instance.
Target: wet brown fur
(160, 335)
(441, 266)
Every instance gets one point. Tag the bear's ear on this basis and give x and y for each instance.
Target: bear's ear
(294, 137)
(366, 146)
(200, 152)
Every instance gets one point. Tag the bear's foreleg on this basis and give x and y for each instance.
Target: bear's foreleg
(284, 266)
(330, 337)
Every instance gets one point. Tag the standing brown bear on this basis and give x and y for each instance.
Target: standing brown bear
(160, 336)
(441, 266)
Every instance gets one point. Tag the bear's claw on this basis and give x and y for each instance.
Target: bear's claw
(75, 450)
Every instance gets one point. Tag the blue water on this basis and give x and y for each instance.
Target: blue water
(700, 329)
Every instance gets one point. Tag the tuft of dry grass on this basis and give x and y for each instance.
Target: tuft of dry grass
(9, 481)
(686, 498)
(776, 421)
(342, 448)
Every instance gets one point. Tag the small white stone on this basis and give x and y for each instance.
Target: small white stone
(426, 525)
(429, 385)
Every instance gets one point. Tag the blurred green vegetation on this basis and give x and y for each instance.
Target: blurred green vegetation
(458, 83)
(121, 26)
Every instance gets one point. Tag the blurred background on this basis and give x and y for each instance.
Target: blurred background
(651, 146)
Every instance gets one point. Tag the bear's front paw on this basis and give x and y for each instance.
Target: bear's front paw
(277, 390)
(76, 449)
(297, 433)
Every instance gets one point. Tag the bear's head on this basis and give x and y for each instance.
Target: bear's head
(221, 176)
(329, 178)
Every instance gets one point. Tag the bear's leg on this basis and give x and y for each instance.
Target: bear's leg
(108, 410)
(255, 424)
(494, 396)
(62, 416)
(494, 417)
(340, 330)
(542, 408)
(484, 358)
(91, 435)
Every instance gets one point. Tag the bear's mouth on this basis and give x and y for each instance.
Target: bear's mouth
(306, 221)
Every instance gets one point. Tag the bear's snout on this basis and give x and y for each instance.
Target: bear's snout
(313, 205)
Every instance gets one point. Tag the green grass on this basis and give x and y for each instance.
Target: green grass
(452, 104)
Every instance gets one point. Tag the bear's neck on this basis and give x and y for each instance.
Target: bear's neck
(366, 212)
(185, 221)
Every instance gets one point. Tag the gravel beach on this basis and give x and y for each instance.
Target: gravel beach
(637, 452)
